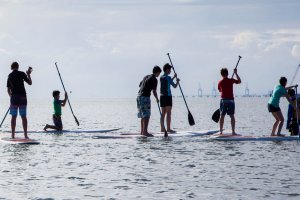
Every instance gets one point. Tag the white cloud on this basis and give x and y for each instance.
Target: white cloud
(244, 39)
(267, 40)
(296, 51)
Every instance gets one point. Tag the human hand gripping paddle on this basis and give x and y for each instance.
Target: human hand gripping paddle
(190, 116)
(216, 116)
(76, 120)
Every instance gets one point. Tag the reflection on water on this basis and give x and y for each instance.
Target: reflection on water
(76, 166)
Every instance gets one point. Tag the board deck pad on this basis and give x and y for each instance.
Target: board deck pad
(19, 141)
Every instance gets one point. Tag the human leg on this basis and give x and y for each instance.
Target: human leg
(221, 123)
(13, 125)
(169, 118)
(275, 123)
(281, 122)
(24, 123)
(232, 124)
(162, 120)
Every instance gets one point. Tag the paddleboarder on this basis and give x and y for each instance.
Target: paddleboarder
(292, 124)
(148, 84)
(279, 91)
(166, 102)
(227, 105)
(57, 104)
(18, 98)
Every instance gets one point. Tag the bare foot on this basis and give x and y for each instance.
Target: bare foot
(280, 135)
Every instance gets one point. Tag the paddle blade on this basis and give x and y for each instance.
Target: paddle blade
(191, 119)
(76, 120)
(216, 116)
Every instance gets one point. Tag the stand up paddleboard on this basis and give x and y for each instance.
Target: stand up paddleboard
(176, 134)
(230, 137)
(19, 141)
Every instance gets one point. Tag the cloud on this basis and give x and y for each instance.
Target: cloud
(244, 39)
(267, 40)
(296, 51)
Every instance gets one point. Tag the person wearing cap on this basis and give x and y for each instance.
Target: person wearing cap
(18, 98)
(148, 84)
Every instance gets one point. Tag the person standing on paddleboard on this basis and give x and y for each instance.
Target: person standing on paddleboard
(227, 105)
(57, 104)
(273, 105)
(148, 84)
(18, 97)
(166, 102)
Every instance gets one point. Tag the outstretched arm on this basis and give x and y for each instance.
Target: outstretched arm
(237, 76)
(28, 72)
(63, 103)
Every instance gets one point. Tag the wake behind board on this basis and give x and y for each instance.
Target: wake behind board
(72, 131)
(230, 137)
(19, 141)
(177, 134)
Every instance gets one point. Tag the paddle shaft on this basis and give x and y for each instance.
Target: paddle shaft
(236, 65)
(162, 121)
(178, 83)
(4, 117)
(297, 114)
(66, 92)
(295, 74)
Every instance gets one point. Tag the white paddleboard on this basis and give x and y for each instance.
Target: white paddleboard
(71, 131)
(230, 137)
(176, 134)
(19, 141)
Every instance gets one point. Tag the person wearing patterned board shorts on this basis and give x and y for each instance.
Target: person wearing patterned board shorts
(148, 84)
(18, 97)
(273, 105)
(57, 104)
(227, 105)
(166, 96)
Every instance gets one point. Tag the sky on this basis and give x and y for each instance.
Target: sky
(104, 48)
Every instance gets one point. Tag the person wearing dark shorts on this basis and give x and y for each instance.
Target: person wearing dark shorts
(166, 96)
(227, 105)
(18, 98)
(56, 117)
(148, 84)
(279, 91)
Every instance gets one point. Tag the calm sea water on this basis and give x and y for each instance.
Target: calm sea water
(76, 166)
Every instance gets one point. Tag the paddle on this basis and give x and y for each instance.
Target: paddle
(190, 116)
(161, 119)
(297, 114)
(4, 118)
(216, 116)
(76, 120)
